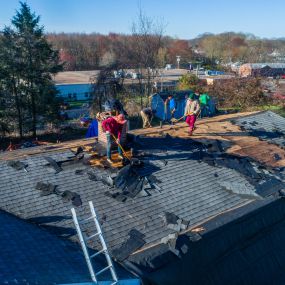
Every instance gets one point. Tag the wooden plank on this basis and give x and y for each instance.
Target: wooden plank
(21, 153)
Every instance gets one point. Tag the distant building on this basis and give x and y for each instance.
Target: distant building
(74, 92)
(75, 85)
(261, 69)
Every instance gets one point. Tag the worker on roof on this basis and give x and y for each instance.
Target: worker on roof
(113, 126)
(172, 107)
(191, 112)
(197, 95)
(147, 115)
(204, 104)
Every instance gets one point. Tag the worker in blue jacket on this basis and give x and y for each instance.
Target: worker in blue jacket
(172, 106)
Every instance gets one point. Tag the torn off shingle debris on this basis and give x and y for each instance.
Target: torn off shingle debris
(73, 197)
(17, 165)
(134, 242)
(127, 183)
(175, 223)
(52, 163)
(46, 188)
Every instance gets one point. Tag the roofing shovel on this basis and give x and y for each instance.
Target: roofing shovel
(133, 161)
(173, 120)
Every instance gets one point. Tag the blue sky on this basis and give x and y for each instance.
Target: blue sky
(184, 18)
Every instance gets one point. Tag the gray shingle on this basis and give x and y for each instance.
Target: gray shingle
(266, 125)
(190, 190)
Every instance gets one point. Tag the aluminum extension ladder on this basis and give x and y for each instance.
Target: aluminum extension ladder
(83, 239)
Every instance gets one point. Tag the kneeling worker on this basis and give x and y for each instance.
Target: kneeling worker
(147, 116)
(113, 127)
(191, 110)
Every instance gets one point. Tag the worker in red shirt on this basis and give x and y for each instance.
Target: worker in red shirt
(113, 126)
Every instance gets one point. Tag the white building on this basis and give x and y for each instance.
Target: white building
(75, 85)
(81, 91)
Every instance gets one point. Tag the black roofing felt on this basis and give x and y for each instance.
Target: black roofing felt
(248, 250)
(266, 126)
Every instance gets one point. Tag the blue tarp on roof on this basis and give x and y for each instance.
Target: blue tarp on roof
(157, 103)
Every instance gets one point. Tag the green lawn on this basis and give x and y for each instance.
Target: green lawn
(76, 104)
(280, 110)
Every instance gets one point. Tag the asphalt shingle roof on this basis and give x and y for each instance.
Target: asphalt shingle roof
(31, 255)
(190, 189)
(193, 189)
(267, 126)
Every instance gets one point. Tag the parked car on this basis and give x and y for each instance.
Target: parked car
(136, 75)
(168, 67)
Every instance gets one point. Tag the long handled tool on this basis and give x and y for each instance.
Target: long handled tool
(177, 120)
(120, 146)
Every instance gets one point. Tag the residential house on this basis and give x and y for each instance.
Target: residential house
(207, 209)
(262, 69)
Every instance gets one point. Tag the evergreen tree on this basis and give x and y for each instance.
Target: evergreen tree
(31, 68)
(11, 96)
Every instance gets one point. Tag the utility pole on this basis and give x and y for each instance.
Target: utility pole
(198, 67)
(178, 57)
(161, 82)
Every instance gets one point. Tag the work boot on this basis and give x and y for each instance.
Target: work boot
(190, 133)
(109, 160)
(120, 156)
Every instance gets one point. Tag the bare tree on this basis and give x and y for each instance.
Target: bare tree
(147, 43)
(105, 86)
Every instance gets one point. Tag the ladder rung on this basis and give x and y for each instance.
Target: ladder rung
(92, 236)
(103, 270)
(88, 219)
(97, 253)
(114, 283)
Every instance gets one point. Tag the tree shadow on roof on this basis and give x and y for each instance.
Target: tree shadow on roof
(41, 220)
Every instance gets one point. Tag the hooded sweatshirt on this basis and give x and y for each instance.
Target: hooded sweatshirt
(192, 107)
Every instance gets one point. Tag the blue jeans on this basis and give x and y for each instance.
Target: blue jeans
(165, 115)
(204, 111)
(109, 146)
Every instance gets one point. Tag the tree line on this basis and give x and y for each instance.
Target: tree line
(93, 51)
(29, 58)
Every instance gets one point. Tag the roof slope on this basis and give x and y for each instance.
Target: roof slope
(266, 126)
(196, 197)
(31, 255)
(194, 183)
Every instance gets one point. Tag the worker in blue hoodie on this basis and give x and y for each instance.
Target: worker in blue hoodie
(172, 107)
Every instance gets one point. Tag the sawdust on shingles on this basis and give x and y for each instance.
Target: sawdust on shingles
(101, 161)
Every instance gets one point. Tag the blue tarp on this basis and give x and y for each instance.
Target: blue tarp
(92, 130)
(158, 105)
